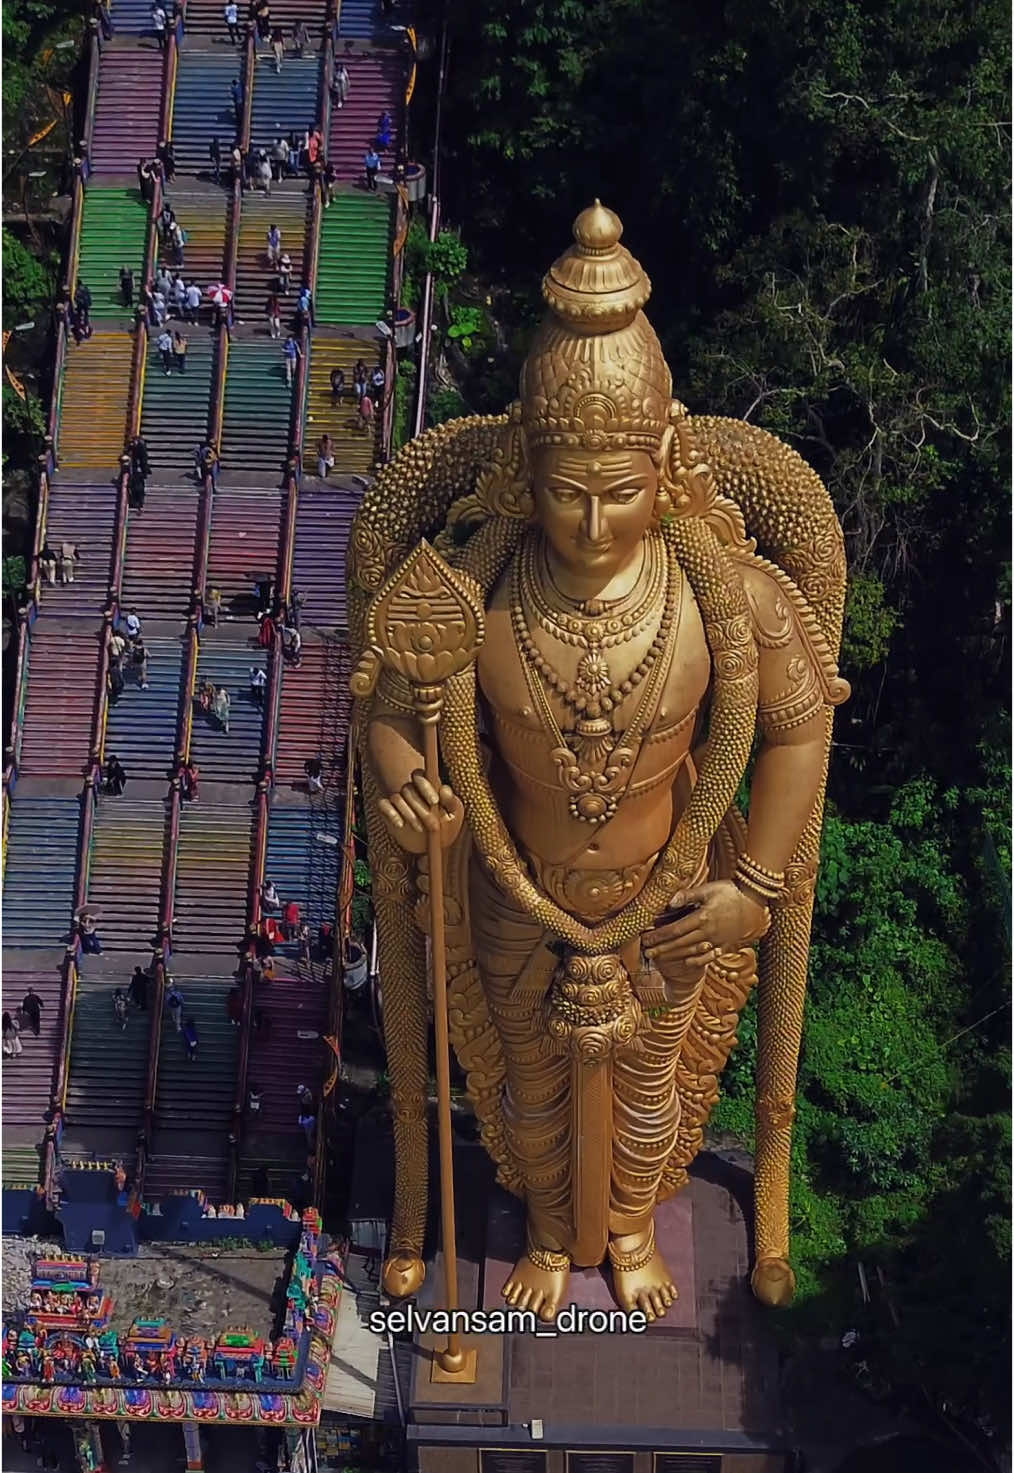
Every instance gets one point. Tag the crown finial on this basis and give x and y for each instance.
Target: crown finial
(597, 229)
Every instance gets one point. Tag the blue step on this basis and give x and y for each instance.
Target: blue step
(202, 107)
(108, 1068)
(232, 757)
(141, 726)
(42, 850)
(284, 101)
(199, 1093)
(304, 858)
(133, 17)
(361, 20)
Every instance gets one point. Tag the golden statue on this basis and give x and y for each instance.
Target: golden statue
(596, 640)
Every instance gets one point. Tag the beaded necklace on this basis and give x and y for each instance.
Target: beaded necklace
(594, 795)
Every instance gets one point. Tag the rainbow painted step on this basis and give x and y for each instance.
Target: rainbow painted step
(353, 270)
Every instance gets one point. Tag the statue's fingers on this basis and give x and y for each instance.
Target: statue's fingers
(406, 813)
(448, 800)
(673, 930)
(388, 811)
(426, 788)
(421, 809)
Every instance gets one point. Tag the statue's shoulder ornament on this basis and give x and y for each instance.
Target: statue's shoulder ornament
(781, 617)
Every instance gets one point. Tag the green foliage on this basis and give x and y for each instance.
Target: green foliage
(362, 900)
(404, 397)
(29, 283)
(470, 328)
(15, 577)
(447, 258)
(445, 404)
(869, 623)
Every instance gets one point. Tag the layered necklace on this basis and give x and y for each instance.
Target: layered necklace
(594, 626)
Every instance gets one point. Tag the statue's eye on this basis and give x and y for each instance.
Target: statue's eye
(564, 494)
(625, 494)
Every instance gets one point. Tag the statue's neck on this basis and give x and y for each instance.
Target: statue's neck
(606, 585)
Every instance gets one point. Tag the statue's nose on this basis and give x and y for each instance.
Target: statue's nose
(593, 519)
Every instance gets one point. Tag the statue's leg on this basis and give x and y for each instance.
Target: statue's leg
(537, 1104)
(708, 1044)
(646, 1111)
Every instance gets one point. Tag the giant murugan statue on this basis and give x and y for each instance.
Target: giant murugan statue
(645, 600)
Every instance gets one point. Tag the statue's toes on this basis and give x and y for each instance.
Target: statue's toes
(511, 1290)
(536, 1301)
(548, 1310)
(645, 1305)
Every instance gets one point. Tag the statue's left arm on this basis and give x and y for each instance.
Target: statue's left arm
(786, 780)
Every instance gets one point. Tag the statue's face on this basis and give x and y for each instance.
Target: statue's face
(594, 505)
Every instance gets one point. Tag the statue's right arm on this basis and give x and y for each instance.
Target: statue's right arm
(413, 806)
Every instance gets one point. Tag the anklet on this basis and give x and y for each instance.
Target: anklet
(636, 1258)
(547, 1259)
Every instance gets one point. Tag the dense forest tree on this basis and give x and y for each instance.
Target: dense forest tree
(819, 193)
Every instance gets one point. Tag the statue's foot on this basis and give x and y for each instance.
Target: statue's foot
(538, 1282)
(641, 1278)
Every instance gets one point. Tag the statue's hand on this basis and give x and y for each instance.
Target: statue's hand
(419, 809)
(723, 919)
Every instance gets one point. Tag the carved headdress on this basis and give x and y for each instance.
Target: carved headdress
(595, 377)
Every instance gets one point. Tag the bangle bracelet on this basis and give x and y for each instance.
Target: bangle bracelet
(768, 883)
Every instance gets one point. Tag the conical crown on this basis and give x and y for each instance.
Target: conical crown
(595, 376)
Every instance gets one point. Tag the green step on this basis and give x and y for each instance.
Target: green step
(355, 260)
(258, 410)
(113, 230)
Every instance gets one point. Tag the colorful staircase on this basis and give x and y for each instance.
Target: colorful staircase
(285, 101)
(323, 523)
(258, 409)
(355, 446)
(161, 546)
(212, 869)
(113, 230)
(42, 855)
(93, 403)
(86, 515)
(63, 671)
(125, 879)
(231, 756)
(246, 529)
(141, 724)
(376, 86)
(315, 711)
(28, 1080)
(217, 839)
(174, 412)
(202, 105)
(126, 124)
(286, 207)
(354, 269)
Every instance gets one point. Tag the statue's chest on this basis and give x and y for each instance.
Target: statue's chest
(525, 698)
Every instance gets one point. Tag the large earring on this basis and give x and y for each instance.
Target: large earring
(662, 507)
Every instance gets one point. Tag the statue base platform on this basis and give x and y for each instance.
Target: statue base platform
(701, 1383)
